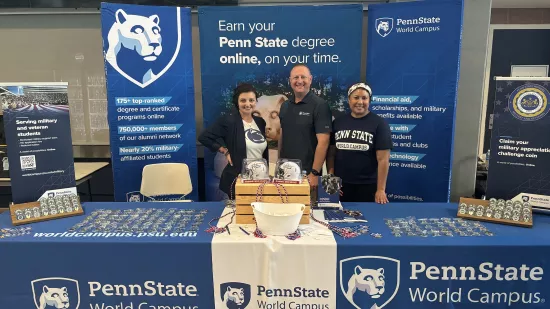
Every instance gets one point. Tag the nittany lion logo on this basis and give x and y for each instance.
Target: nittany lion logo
(136, 44)
(369, 282)
(134, 196)
(384, 26)
(235, 295)
(254, 136)
(56, 293)
(529, 102)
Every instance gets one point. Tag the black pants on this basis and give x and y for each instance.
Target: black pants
(358, 193)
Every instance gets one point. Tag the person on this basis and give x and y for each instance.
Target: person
(241, 133)
(360, 150)
(305, 125)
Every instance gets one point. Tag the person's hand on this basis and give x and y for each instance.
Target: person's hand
(228, 157)
(225, 151)
(313, 180)
(380, 197)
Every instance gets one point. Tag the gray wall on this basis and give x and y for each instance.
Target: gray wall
(477, 14)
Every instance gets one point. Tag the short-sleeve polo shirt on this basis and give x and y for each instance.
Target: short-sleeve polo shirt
(300, 122)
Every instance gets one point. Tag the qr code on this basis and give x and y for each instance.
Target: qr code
(28, 162)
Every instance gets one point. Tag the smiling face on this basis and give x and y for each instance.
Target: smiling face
(359, 102)
(300, 80)
(247, 103)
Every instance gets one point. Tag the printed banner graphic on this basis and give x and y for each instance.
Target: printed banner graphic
(150, 92)
(501, 267)
(260, 45)
(38, 134)
(520, 147)
(386, 278)
(235, 275)
(412, 65)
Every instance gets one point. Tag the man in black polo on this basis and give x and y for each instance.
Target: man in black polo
(306, 123)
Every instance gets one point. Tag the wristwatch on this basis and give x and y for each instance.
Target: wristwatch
(315, 172)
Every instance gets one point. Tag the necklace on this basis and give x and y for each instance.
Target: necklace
(248, 125)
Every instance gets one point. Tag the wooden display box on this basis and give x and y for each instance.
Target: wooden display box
(245, 195)
(31, 205)
(485, 203)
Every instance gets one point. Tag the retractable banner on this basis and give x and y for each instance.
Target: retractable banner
(260, 45)
(38, 136)
(519, 161)
(150, 92)
(413, 56)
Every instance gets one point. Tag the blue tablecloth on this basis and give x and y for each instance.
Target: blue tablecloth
(431, 272)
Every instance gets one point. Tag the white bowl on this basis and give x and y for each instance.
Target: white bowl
(278, 219)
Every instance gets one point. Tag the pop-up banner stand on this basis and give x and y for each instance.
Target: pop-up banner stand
(38, 135)
(150, 93)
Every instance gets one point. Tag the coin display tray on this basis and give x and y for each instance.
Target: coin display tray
(154, 220)
(46, 209)
(496, 211)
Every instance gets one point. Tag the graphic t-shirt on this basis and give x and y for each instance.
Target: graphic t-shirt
(255, 141)
(356, 141)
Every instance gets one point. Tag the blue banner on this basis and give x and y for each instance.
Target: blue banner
(413, 55)
(260, 45)
(111, 272)
(520, 148)
(150, 92)
(38, 133)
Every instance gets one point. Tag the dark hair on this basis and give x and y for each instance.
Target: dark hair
(242, 88)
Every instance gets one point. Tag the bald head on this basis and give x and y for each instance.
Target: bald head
(300, 80)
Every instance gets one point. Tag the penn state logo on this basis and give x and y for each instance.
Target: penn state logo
(143, 47)
(369, 282)
(384, 26)
(529, 102)
(56, 293)
(235, 295)
(133, 196)
(254, 136)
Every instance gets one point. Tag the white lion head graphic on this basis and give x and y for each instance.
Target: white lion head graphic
(138, 33)
(369, 282)
(384, 26)
(141, 37)
(233, 295)
(56, 297)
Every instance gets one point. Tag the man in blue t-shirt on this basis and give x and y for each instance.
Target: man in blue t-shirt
(360, 150)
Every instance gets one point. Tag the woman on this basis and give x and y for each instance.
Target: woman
(360, 150)
(242, 134)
